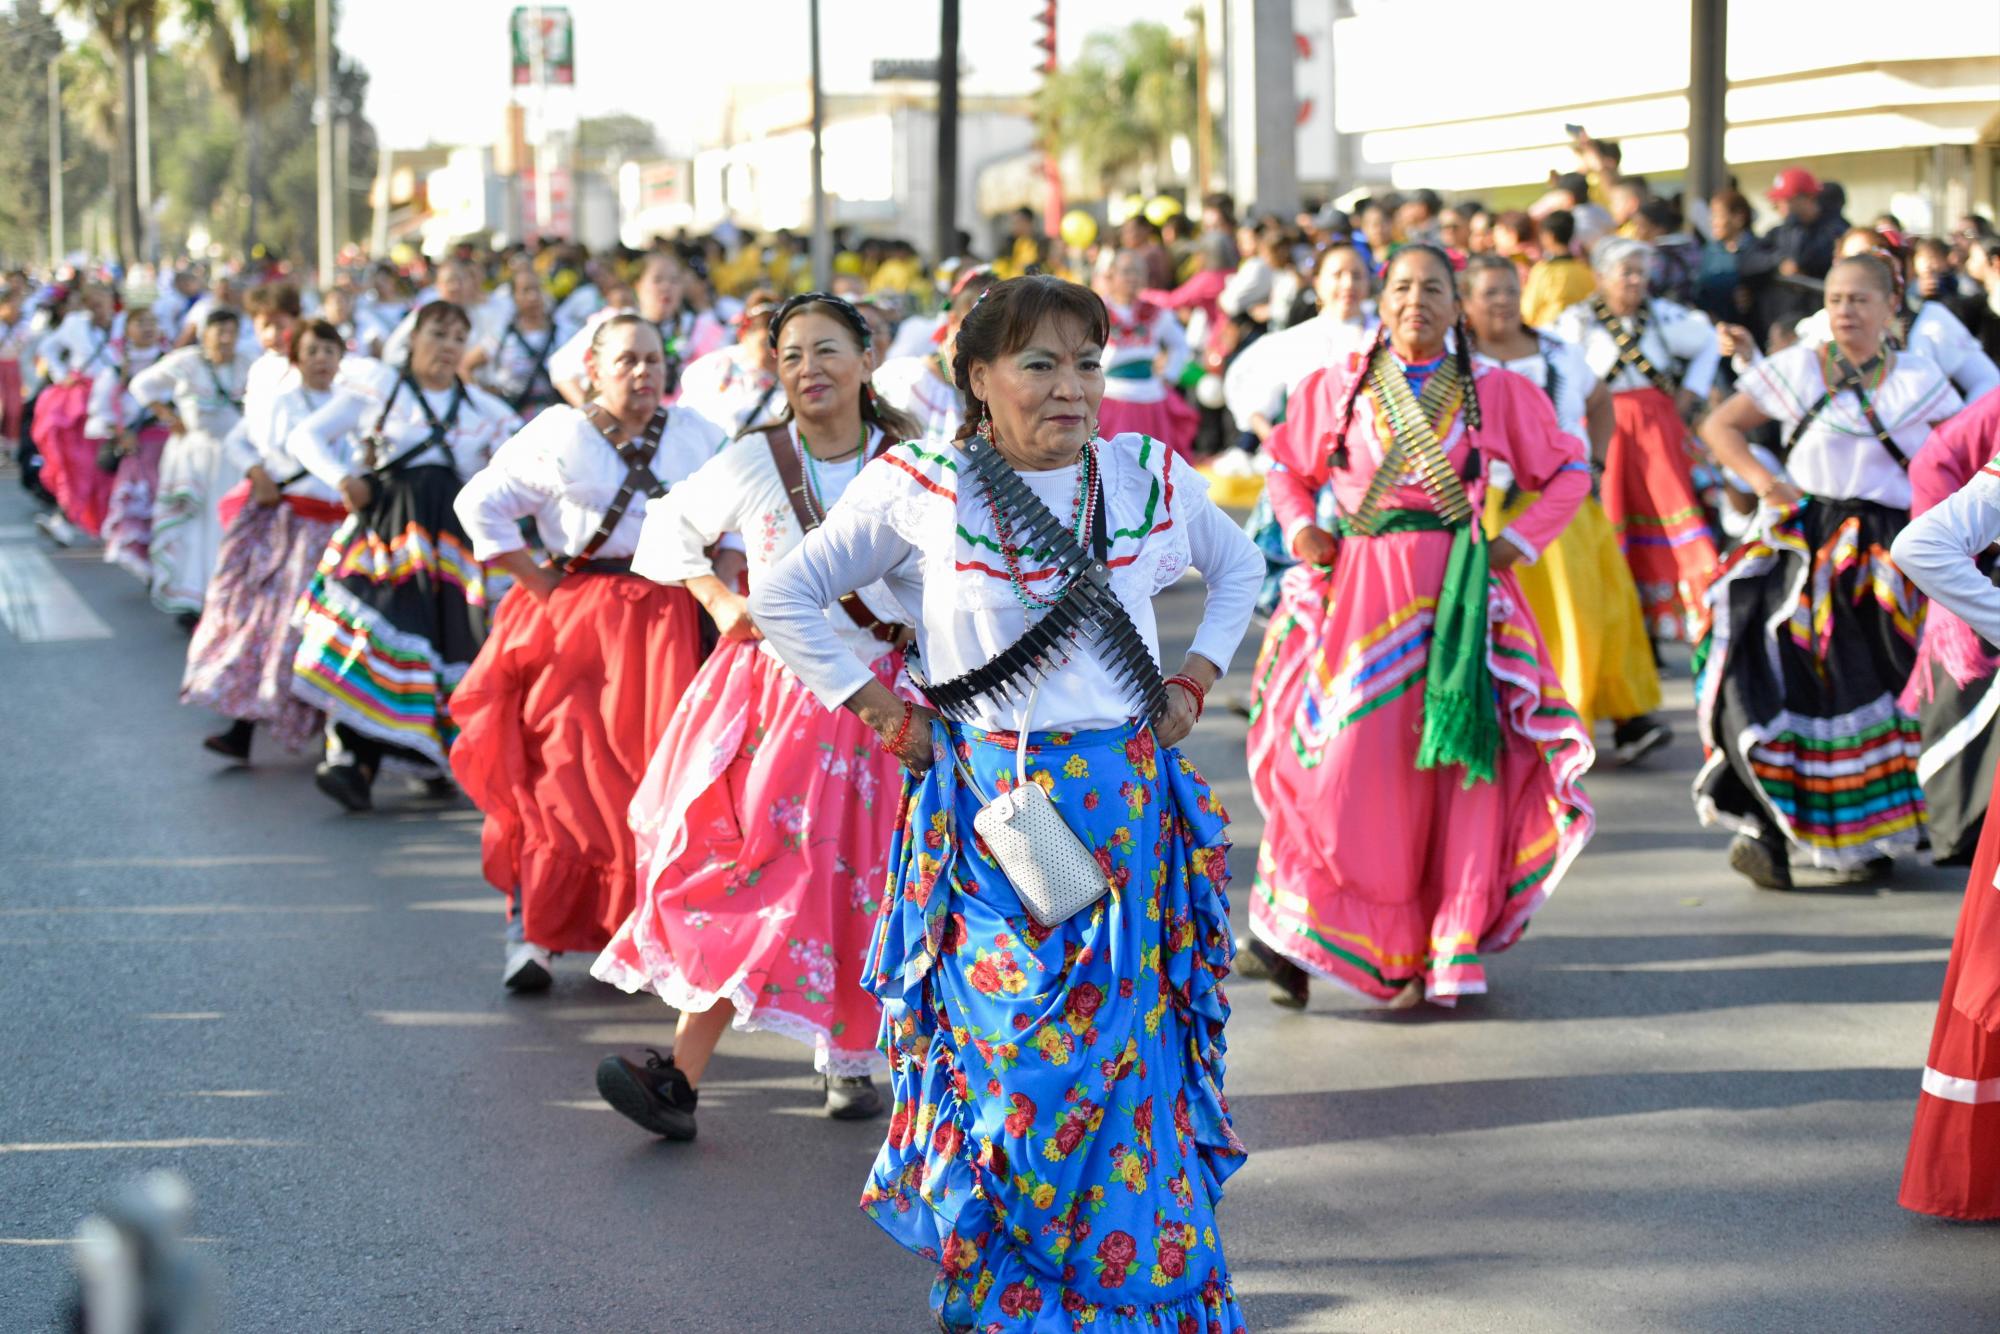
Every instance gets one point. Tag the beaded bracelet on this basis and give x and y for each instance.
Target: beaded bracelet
(1189, 684)
(895, 744)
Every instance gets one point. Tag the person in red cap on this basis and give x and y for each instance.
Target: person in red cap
(1803, 238)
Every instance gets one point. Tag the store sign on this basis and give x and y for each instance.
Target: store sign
(893, 71)
(543, 33)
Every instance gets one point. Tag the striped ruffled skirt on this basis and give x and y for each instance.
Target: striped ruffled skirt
(1814, 636)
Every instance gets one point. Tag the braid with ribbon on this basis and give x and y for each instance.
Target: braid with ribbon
(1355, 385)
(1473, 466)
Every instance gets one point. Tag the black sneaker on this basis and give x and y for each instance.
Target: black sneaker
(852, 1098)
(1763, 860)
(654, 1095)
(1635, 738)
(233, 744)
(1291, 985)
(1868, 872)
(346, 784)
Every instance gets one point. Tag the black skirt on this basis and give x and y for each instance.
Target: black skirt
(1814, 637)
(394, 615)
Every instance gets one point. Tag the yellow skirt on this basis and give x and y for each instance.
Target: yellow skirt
(1587, 606)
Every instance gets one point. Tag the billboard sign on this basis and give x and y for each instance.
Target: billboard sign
(543, 33)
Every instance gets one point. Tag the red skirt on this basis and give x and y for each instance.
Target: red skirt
(557, 718)
(69, 457)
(10, 399)
(1649, 497)
(1954, 1165)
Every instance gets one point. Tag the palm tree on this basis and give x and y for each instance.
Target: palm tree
(259, 53)
(124, 29)
(1122, 103)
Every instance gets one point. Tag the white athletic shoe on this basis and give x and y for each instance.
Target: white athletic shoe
(58, 529)
(527, 968)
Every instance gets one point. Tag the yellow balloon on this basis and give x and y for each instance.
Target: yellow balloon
(1161, 208)
(1079, 229)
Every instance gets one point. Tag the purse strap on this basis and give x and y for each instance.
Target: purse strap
(1020, 751)
(1021, 741)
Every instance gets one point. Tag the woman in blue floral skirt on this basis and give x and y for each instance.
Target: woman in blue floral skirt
(1059, 1137)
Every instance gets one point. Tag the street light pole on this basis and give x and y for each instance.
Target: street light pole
(142, 146)
(822, 239)
(323, 116)
(55, 166)
(944, 234)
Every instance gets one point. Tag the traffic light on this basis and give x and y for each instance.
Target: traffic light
(1047, 41)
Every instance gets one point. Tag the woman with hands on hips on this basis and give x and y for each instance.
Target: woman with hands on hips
(587, 659)
(763, 820)
(1059, 1137)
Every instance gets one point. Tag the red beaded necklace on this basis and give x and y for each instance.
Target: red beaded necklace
(1081, 518)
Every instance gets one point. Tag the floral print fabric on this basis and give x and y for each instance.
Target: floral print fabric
(762, 829)
(1059, 1137)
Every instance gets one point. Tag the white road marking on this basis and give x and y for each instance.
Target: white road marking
(109, 1145)
(231, 1093)
(440, 1018)
(38, 604)
(71, 1241)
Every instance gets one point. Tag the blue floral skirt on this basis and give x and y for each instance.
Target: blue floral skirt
(1059, 1137)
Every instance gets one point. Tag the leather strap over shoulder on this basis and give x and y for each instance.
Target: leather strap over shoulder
(639, 476)
(786, 460)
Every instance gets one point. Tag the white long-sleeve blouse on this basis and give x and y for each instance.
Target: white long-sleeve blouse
(1678, 341)
(739, 491)
(560, 470)
(323, 442)
(906, 522)
(1939, 547)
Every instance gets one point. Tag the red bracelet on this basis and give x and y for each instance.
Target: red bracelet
(1189, 684)
(895, 745)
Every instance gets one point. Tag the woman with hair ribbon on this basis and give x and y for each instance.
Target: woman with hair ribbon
(1052, 1005)
(1390, 873)
(763, 820)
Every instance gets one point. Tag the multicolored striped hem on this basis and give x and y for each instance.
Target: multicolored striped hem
(359, 670)
(1389, 661)
(1843, 789)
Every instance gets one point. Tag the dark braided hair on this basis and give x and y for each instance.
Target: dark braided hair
(1462, 354)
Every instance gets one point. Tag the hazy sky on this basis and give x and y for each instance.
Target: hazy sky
(439, 68)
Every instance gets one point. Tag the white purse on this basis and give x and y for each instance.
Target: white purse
(1051, 870)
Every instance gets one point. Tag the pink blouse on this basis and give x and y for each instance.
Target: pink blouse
(1517, 427)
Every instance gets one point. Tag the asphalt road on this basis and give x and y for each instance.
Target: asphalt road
(1684, 1106)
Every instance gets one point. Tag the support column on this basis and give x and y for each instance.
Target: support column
(1708, 84)
(1263, 108)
